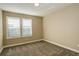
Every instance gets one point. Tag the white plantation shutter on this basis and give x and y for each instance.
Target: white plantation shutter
(13, 27)
(26, 27)
(17, 27)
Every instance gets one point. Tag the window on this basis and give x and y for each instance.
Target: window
(17, 27)
(26, 27)
(13, 27)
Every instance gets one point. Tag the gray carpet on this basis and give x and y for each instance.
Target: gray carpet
(41, 48)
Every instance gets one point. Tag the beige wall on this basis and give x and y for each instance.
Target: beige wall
(1, 32)
(62, 27)
(36, 29)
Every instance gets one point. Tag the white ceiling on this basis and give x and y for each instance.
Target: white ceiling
(29, 8)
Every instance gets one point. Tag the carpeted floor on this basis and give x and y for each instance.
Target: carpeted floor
(41, 48)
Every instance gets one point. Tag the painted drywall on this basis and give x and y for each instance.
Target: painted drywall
(36, 29)
(62, 27)
(1, 32)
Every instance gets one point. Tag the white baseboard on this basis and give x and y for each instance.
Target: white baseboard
(62, 46)
(1, 50)
(41, 40)
(22, 43)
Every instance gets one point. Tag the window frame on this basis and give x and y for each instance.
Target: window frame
(22, 27)
(7, 28)
(20, 18)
